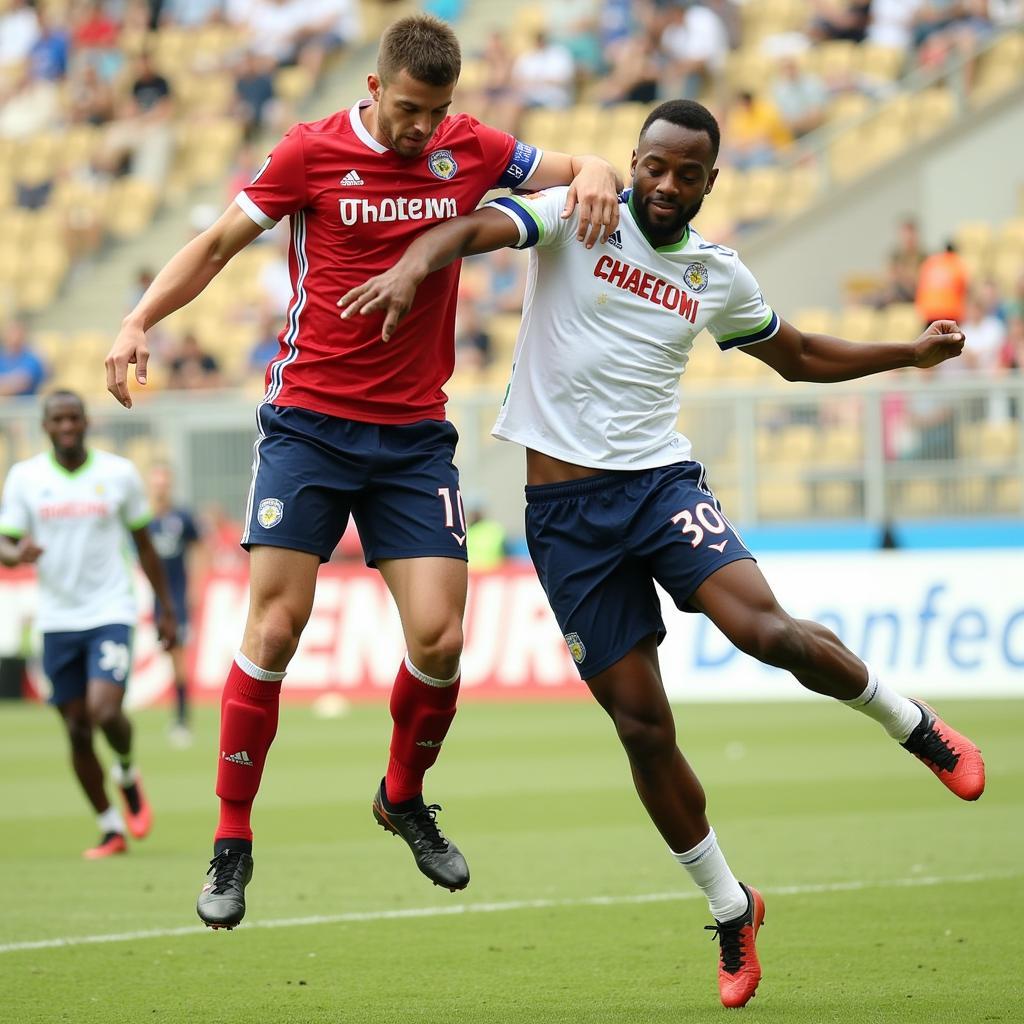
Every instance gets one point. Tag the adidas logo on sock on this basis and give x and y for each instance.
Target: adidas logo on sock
(242, 757)
(429, 743)
(352, 178)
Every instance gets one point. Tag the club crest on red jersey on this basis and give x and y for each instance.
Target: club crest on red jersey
(442, 164)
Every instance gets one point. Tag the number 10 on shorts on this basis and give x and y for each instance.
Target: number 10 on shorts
(445, 494)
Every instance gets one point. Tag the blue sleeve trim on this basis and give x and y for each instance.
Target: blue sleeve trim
(768, 331)
(529, 231)
(520, 167)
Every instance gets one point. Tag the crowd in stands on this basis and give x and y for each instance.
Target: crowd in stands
(106, 105)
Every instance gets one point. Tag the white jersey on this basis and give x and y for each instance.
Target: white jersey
(607, 333)
(81, 521)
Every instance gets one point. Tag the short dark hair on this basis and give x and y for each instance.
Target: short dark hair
(422, 45)
(58, 394)
(686, 114)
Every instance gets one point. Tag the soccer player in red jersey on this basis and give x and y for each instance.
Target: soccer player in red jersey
(351, 424)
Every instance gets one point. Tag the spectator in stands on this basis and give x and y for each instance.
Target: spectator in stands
(472, 339)
(544, 75)
(891, 23)
(190, 13)
(942, 286)
(90, 97)
(635, 71)
(495, 102)
(905, 260)
(840, 20)
(48, 57)
(33, 183)
(506, 282)
(21, 370)
(28, 106)
(275, 278)
(1013, 345)
(254, 91)
(932, 420)
(1014, 304)
(486, 541)
(192, 368)
(755, 130)
(985, 334)
(800, 96)
(267, 347)
(694, 44)
(141, 140)
(19, 30)
(94, 39)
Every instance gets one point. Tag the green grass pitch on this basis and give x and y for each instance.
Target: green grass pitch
(887, 899)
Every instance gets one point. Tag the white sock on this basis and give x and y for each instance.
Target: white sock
(706, 865)
(897, 715)
(122, 776)
(111, 821)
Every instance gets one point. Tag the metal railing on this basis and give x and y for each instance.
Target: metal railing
(881, 450)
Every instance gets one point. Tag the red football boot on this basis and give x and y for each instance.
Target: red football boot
(953, 759)
(739, 970)
(110, 844)
(138, 814)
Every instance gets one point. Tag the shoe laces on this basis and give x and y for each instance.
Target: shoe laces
(933, 746)
(223, 867)
(730, 939)
(424, 821)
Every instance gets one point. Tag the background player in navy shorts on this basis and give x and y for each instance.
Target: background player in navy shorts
(177, 541)
(615, 501)
(70, 512)
(350, 424)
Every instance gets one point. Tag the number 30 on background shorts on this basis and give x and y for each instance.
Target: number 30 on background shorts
(399, 482)
(601, 542)
(71, 659)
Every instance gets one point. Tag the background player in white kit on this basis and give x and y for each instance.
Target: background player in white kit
(615, 501)
(70, 512)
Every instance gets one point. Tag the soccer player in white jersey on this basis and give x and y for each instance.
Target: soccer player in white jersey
(70, 512)
(615, 501)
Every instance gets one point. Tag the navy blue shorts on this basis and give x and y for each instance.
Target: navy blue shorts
(599, 545)
(398, 481)
(71, 659)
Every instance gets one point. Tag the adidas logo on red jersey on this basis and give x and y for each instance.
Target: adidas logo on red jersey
(352, 178)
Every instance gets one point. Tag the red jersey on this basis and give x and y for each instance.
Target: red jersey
(355, 207)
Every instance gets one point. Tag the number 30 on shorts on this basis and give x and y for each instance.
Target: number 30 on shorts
(704, 519)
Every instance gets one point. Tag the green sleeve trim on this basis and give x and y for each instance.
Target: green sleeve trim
(11, 531)
(138, 524)
(748, 331)
(536, 219)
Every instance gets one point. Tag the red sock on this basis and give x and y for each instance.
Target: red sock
(422, 714)
(248, 723)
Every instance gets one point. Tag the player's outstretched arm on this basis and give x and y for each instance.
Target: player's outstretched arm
(18, 551)
(394, 290)
(594, 186)
(167, 624)
(822, 359)
(187, 273)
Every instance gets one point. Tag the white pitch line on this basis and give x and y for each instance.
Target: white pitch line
(362, 916)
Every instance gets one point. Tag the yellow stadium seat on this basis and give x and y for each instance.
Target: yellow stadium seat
(293, 84)
(841, 446)
(783, 499)
(880, 63)
(919, 498)
(1009, 491)
(931, 111)
(900, 322)
(859, 323)
(815, 321)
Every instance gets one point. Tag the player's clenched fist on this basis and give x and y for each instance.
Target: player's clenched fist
(941, 341)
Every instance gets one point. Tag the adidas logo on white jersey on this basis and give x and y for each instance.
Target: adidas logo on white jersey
(352, 178)
(615, 239)
(242, 757)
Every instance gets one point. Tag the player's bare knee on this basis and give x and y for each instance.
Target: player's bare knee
(648, 739)
(79, 732)
(271, 640)
(774, 640)
(437, 649)
(103, 713)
